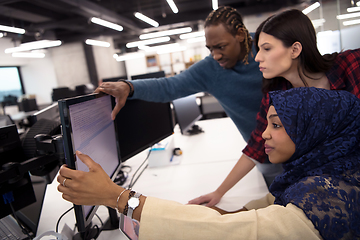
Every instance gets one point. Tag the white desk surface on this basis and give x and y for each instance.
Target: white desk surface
(206, 161)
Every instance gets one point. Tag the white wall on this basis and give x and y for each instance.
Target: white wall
(106, 65)
(135, 66)
(70, 65)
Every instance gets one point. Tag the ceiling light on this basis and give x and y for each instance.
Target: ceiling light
(146, 19)
(1, 35)
(353, 9)
(12, 29)
(97, 43)
(165, 33)
(311, 8)
(352, 22)
(166, 48)
(147, 42)
(325, 33)
(129, 56)
(28, 55)
(358, 3)
(34, 45)
(215, 4)
(349, 15)
(192, 35)
(161, 47)
(171, 50)
(172, 6)
(197, 39)
(318, 22)
(106, 24)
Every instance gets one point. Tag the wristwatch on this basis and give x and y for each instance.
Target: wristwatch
(133, 202)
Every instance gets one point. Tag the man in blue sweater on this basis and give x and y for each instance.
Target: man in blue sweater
(230, 74)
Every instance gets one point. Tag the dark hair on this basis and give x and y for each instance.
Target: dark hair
(293, 26)
(232, 21)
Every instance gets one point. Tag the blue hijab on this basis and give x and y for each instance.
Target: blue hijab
(322, 177)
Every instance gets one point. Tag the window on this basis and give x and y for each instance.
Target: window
(10, 82)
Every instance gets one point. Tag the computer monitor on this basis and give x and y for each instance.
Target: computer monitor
(21, 194)
(141, 124)
(187, 112)
(149, 75)
(30, 215)
(10, 82)
(87, 126)
(114, 79)
(16, 188)
(61, 93)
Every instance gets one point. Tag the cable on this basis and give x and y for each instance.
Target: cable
(131, 182)
(57, 224)
(141, 173)
(88, 234)
(126, 166)
(24, 230)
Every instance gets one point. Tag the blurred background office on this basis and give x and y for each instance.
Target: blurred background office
(81, 52)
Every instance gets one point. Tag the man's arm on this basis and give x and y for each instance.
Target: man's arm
(193, 80)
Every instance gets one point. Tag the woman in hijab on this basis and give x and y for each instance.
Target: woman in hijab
(322, 177)
(314, 133)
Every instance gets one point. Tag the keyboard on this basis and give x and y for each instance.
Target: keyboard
(10, 230)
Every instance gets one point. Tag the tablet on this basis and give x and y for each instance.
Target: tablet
(87, 126)
(130, 227)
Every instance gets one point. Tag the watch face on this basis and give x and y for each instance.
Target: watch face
(133, 202)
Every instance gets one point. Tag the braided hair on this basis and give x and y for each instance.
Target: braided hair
(232, 21)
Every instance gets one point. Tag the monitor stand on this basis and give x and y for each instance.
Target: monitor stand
(89, 234)
(195, 129)
(113, 221)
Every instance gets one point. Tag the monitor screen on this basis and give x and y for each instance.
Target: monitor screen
(10, 82)
(87, 126)
(149, 75)
(141, 124)
(187, 112)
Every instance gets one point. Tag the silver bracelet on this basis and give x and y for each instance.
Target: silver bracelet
(117, 200)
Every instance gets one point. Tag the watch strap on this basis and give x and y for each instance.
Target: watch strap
(130, 209)
(131, 194)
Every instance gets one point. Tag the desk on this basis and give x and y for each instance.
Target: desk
(206, 161)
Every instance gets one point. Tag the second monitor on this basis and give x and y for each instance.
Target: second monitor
(141, 124)
(187, 112)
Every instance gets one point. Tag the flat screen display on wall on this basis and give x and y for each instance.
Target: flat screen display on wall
(10, 82)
